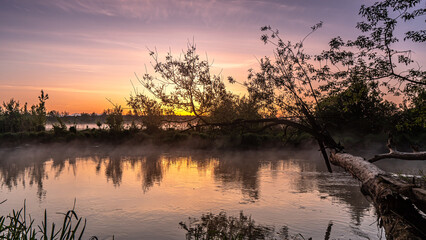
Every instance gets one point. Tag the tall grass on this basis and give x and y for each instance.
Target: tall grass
(19, 225)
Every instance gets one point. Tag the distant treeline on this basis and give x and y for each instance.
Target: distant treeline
(357, 111)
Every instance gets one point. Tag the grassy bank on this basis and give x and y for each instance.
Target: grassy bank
(194, 139)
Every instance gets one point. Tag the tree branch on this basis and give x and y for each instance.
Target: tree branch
(400, 155)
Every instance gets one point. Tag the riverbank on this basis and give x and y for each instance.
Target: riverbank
(192, 139)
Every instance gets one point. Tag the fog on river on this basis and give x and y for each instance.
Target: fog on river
(138, 192)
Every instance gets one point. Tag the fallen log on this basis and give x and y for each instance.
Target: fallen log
(400, 206)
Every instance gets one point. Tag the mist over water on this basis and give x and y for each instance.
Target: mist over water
(135, 192)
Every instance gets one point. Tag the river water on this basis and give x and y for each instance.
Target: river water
(143, 193)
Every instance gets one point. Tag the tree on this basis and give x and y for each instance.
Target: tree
(39, 112)
(234, 108)
(185, 84)
(114, 119)
(413, 117)
(152, 112)
(12, 116)
(359, 108)
(291, 83)
(285, 86)
(15, 118)
(373, 57)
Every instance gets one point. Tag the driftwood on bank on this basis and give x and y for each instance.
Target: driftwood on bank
(401, 206)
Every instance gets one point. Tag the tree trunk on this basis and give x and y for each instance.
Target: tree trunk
(400, 206)
(325, 156)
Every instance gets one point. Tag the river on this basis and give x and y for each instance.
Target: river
(143, 193)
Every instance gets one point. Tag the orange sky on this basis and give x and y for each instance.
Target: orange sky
(83, 52)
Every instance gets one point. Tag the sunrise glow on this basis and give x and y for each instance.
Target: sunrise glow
(85, 52)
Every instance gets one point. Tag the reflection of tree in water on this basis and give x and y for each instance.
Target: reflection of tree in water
(223, 226)
(114, 170)
(237, 169)
(17, 168)
(303, 174)
(151, 171)
(36, 175)
(341, 187)
(232, 170)
(28, 165)
(345, 189)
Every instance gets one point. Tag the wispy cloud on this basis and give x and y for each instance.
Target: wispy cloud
(57, 89)
(235, 64)
(152, 10)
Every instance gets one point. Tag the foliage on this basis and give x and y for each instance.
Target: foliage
(340, 88)
(284, 83)
(114, 119)
(285, 86)
(221, 226)
(413, 117)
(39, 112)
(151, 111)
(17, 225)
(373, 57)
(14, 118)
(73, 129)
(359, 108)
(185, 84)
(99, 124)
(60, 127)
(233, 108)
(346, 79)
(410, 124)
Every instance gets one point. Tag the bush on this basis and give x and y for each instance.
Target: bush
(114, 119)
(73, 129)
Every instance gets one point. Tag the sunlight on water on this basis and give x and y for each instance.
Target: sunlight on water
(139, 194)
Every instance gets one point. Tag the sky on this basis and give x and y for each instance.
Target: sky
(83, 52)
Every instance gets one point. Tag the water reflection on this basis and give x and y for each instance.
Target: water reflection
(275, 186)
(232, 170)
(236, 172)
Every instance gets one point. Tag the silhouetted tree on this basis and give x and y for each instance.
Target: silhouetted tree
(114, 118)
(14, 118)
(292, 83)
(359, 108)
(373, 56)
(150, 110)
(39, 112)
(185, 84)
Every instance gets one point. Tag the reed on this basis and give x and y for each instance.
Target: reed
(19, 225)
